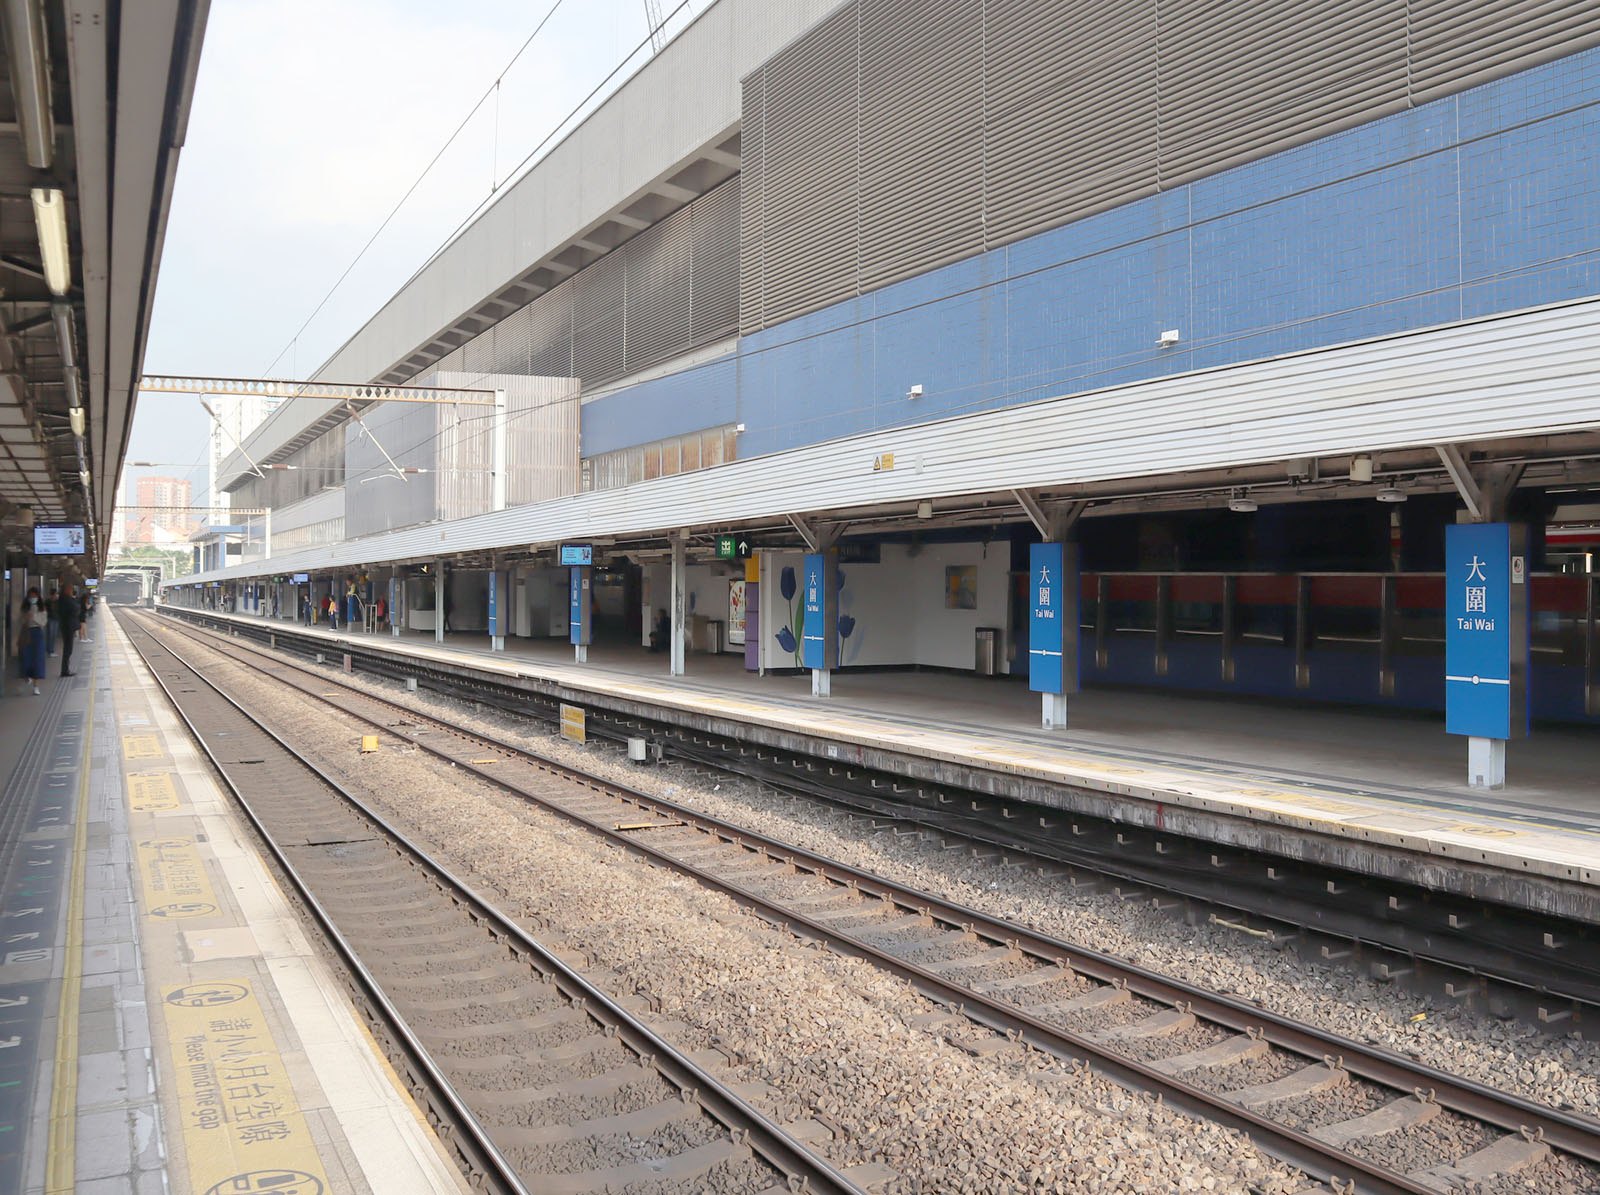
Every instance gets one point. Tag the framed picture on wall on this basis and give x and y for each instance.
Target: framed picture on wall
(961, 587)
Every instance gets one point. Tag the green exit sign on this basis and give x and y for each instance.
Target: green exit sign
(732, 547)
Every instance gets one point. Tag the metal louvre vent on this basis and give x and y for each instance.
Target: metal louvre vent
(598, 293)
(752, 192)
(657, 262)
(1070, 109)
(1291, 67)
(1454, 45)
(921, 136)
(550, 332)
(671, 288)
(877, 142)
(714, 281)
(811, 192)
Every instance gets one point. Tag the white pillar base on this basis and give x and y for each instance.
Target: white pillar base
(1486, 763)
(497, 643)
(821, 682)
(1054, 711)
(580, 652)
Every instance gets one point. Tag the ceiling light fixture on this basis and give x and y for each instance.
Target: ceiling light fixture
(1242, 503)
(75, 414)
(1391, 493)
(50, 214)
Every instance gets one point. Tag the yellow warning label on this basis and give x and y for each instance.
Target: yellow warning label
(1483, 831)
(243, 1131)
(151, 792)
(573, 724)
(175, 883)
(142, 746)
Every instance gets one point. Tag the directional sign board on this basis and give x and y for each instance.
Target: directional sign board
(1485, 631)
(733, 547)
(1053, 585)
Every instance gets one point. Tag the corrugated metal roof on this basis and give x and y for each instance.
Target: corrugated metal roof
(1527, 373)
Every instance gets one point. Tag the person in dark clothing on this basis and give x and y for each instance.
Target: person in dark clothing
(69, 613)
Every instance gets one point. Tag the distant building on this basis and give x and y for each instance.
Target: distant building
(161, 513)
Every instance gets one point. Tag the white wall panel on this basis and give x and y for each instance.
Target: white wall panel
(1522, 374)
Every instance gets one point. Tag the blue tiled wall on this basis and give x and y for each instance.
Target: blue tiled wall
(1483, 202)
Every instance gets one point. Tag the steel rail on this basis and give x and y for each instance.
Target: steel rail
(763, 1135)
(1432, 950)
(1568, 1132)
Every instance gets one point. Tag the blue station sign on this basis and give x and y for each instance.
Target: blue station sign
(820, 601)
(1485, 631)
(578, 596)
(1053, 588)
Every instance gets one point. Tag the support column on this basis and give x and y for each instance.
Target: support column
(1486, 644)
(1054, 586)
(1486, 763)
(580, 613)
(819, 649)
(497, 609)
(439, 582)
(676, 604)
(397, 602)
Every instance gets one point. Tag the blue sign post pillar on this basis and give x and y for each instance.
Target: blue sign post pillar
(497, 610)
(1054, 586)
(1486, 643)
(819, 649)
(579, 625)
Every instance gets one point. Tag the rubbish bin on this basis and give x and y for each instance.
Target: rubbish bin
(714, 629)
(986, 651)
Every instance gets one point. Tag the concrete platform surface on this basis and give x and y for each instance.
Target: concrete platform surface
(1380, 778)
(169, 1028)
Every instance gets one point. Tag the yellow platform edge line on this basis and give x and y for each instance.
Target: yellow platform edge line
(60, 1169)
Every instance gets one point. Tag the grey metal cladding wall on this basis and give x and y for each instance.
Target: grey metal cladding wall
(1070, 110)
(811, 191)
(922, 99)
(375, 497)
(1456, 45)
(658, 265)
(714, 274)
(667, 290)
(752, 213)
(1015, 116)
(598, 293)
(1284, 69)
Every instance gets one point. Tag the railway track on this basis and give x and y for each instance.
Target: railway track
(1473, 954)
(540, 1081)
(1343, 1111)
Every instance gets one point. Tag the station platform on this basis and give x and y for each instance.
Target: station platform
(1381, 791)
(165, 1026)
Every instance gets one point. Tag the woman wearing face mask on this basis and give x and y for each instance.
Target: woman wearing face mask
(30, 644)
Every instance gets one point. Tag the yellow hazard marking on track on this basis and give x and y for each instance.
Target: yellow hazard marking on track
(142, 746)
(175, 881)
(152, 792)
(243, 1131)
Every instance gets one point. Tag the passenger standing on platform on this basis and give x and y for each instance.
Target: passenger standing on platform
(382, 616)
(52, 628)
(447, 609)
(70, 615)
(30, 644)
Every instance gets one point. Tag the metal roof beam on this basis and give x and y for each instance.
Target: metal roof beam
(1466, 484)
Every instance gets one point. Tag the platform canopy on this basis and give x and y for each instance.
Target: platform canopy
(92, 115)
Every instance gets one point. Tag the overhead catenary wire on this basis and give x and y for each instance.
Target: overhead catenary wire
(492, 90)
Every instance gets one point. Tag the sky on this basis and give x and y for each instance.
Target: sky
(311, 119)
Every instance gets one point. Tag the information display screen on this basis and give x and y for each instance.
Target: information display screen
(577, 554)
(64, 539)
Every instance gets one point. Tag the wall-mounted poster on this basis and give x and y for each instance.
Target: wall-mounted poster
(961, 587)
(736, 611)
